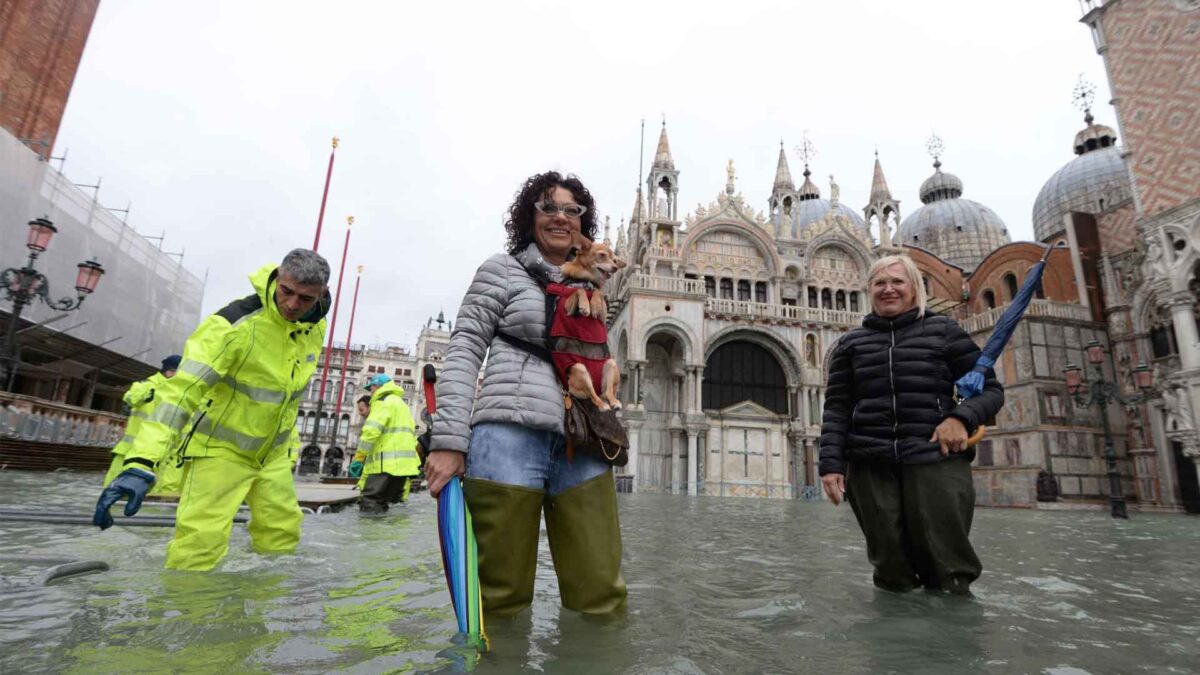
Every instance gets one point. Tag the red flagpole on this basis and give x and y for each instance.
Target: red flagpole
(332, 326)
(325, 194)
(349, 336)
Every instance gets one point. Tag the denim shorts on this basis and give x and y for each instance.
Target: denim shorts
(516, 455)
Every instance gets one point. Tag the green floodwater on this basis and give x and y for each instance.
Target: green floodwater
(716, 585)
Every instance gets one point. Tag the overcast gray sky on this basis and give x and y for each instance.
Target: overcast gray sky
(214, 118)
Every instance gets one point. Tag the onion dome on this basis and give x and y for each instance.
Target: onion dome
(1091, 183)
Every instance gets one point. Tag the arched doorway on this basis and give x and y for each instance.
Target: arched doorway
(333, 462)
(745, 396)
(310, 459)
(662, 454)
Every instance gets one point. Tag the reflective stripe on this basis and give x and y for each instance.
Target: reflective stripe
(373, 425)
(171, 415)
(365, 446)
(139, 413)
(297, 394)
(128, 438)
(259, 394)
(199, 370)
(244, 442)
(398, 454)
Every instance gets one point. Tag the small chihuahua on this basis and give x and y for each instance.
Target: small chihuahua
(595, 264)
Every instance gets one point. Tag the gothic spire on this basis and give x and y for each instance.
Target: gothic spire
(662, 156)
(879, 186)
(783, 176)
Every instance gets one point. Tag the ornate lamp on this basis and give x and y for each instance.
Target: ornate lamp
(89, 275)
(1095, 352)
(1074, 378)
(40, 232)
(1143, 377)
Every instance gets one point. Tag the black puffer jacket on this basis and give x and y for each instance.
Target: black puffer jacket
(891, 383)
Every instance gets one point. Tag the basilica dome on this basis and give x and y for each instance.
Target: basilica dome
(960, 231)
(1091, 183)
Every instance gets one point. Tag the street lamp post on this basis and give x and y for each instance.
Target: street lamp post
(1101, 392)
(25, 284)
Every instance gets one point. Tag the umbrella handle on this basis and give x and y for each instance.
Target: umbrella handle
(976, 437)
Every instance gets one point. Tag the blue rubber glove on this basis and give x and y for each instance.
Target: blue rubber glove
(132, 484)
(355, 469)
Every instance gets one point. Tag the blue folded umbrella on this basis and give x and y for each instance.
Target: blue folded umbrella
(971, 384)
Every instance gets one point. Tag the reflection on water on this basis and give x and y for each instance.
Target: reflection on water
(716, 585)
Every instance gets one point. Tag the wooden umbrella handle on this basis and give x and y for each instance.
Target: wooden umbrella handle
(976, 437)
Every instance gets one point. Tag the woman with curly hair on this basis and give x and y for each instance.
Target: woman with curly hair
(508, 440)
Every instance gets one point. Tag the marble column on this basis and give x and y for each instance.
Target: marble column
(1183, 316)
(691, 461)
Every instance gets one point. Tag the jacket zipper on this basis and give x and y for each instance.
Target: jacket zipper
(892, 379)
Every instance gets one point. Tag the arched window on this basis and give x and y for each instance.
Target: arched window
(812, 297)
(854, 301)
(1010, 283)
(1162, 339)
(826, 299)
(787, 206)
(727, 289)
(739, 371)
(710, 286)
(743, 289)
(841, 300)
(760, 291)
(989, 299)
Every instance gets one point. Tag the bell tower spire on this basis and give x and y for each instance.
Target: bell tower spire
(883, 209)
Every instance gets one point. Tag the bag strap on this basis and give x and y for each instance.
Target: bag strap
(527, 347)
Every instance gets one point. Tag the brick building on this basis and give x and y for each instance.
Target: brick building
(41, 43)
(1151, 51)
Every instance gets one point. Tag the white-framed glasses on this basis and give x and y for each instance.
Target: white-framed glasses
(551, 209)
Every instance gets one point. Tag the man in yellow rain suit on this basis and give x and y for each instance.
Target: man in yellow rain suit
(141, 400)
(387, 448)
(237, 392)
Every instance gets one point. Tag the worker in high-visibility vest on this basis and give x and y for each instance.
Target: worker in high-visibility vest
(233, 403)
(387, 448)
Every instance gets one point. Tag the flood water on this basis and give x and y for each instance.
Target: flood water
(716, 585)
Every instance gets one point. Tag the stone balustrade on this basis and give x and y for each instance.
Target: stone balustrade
(37, 420)
(744, 309)
(1049, 309)
(651, 282)
(664, 253)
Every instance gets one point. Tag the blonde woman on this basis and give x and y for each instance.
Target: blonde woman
(893, 439)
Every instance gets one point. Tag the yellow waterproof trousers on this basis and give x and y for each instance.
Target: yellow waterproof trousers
(212, 490)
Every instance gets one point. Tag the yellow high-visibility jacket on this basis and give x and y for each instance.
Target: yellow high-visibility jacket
(239, 385)
(141, 398)
(388, 442)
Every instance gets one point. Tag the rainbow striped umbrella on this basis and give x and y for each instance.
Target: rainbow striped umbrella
(460, 559)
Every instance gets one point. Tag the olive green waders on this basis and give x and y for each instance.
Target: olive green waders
(917, 522)
(585, 541)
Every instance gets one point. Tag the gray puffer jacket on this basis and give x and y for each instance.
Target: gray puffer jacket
(518, 387)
